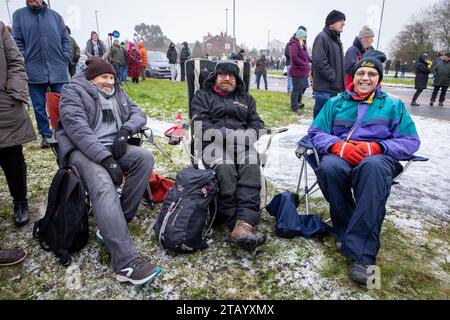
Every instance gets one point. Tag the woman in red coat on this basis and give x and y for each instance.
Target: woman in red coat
(133, 63)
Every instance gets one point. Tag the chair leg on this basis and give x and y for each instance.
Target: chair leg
(148, 196)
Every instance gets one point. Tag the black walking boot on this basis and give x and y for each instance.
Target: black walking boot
(21, 214)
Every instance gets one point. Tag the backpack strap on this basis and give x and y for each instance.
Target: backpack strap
(166, 218)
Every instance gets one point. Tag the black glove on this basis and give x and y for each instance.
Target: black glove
(114, 170)
(119, 147)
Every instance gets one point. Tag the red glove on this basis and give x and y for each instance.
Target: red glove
(349, 152)
(368, 148)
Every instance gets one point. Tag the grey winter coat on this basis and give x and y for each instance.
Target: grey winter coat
(15, 124)
(80, 110)
(328, 63)
(442, 74)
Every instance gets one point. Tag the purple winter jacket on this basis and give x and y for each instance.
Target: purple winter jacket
(299, 59)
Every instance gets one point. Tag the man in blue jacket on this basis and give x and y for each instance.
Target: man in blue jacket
(43, 40)
(361, 135)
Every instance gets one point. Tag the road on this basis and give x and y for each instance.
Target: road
(405, 94)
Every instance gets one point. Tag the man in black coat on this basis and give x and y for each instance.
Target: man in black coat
(185, 55)
(172, 55)
(423, 70)
(328, 61)
(227, 117)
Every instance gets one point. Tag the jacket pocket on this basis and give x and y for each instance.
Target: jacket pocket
(378, 127)
(342, 126)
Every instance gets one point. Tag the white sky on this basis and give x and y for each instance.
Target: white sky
(188, 21)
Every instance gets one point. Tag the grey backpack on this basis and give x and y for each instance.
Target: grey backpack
(184, 215)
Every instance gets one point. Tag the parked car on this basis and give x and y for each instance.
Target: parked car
(158, 65)
(82, 63)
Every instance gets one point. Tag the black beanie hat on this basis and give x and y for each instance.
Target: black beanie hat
(333, 17)
(97, 66)
(372, 59)
(227, 66)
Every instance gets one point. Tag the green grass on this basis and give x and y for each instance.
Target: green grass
(276, 73)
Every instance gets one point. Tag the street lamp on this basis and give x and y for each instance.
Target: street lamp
(9, 13)
(49, 4)
(96, 19)
(226, 32)
(234, 25)
(268, 42)
(381, 24)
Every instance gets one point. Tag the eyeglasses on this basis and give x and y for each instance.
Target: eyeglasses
(370, 74)
(225, 75)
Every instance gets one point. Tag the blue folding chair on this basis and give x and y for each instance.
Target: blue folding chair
(309, 156)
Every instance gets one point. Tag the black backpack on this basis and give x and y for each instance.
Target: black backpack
(184, 214)
(64, 229)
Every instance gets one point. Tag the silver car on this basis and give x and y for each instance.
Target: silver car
(158, 65)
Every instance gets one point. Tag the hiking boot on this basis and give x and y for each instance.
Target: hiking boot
(431, 103)
(11, 257)
(245, 237)
(139, 272)
(360, 273)
(21, 214)
(415, 104)
(441, 104)
(44, 143)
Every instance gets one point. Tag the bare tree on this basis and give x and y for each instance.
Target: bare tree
(439, 16)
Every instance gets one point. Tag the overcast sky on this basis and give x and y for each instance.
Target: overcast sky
(183, 20)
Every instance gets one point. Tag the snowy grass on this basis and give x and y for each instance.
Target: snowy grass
(414, 257)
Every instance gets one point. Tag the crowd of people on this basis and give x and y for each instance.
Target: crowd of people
(360, 133)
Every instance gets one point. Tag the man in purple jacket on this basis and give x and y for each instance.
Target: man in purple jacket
(361, 135)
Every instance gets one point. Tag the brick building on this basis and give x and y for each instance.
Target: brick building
(219, 44)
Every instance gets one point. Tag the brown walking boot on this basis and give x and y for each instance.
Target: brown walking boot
(246, 237)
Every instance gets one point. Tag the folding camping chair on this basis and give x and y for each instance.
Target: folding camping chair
(52, 102)
(309, 156)
(197, 70)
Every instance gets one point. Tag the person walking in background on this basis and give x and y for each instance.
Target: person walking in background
(423, 71)
(404, 70)
(261, 71)
(172, 55)
(75, 54)
(299, 69)
(398, 66)
(441, 74)
(144, 60)
(46, 58)
(328, 61)
(388, 66)
(354, 54)
(124, 48)
(115, 57)
(185, 55)
(95, 47)
(133, 63)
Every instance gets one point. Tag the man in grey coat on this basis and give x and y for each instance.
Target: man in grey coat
(97, 118)
(15, 129)
(43, 41)
(328, 61)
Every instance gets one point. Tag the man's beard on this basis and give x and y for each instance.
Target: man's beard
(226, 87)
